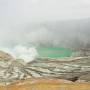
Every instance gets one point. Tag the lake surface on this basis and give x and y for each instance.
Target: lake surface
(54, 52)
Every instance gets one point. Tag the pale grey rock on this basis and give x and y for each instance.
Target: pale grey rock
(72, 69)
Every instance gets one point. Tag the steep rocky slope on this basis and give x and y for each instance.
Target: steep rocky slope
(72, 69)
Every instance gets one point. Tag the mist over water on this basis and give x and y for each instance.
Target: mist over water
(22, 42)
(51, 23)
(23, 52)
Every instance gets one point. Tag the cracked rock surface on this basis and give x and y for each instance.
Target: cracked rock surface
(73, 69)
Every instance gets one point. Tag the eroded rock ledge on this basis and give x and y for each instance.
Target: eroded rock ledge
(72, 69)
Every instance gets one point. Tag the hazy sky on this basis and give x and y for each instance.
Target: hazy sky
(44, 9)
(16, 14)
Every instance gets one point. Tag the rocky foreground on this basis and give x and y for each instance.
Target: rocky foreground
(46, 84)
(16, 72)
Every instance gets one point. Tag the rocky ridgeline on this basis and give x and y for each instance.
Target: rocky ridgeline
(73, 69)
(10, 69)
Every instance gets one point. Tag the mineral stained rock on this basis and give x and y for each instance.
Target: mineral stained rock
(72, 69)
(10, 69)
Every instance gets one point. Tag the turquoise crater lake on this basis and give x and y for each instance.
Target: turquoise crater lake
(54, 52)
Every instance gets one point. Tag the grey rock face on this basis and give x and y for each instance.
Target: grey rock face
(72, 69)
(85, 77)
(10, 69)
(67, 69)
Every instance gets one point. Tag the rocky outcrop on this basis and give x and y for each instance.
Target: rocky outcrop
(10, 69)
(72, 69)
(59, 69)
(5, 56)
(85, 77)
